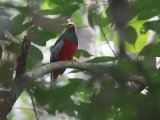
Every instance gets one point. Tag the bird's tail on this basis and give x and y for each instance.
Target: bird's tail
(53, 81)
(54, 75)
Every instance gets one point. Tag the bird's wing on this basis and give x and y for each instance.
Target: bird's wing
(56, 50)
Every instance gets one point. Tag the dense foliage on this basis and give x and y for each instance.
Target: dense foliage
(110, 93)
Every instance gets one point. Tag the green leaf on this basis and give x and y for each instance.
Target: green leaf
(60, 2)
(5, 26)
(82, 93)
(6, 73)
(60, 98)
(19, 19)
(41, 95)
(83, 53)
(43, 36)
(145, 9)
(102, 59)
(153, 25)
(48, 12)
(77, 16)
(130, 35)
(67, 10)
(40, 36)
(64, 2)
(92, 18)
(26, 25)
(147, 14)
(151, 50)
(79, 1)
(24, 10)
(34, 57)
(63, 7)
(141, 40)
(18, 25)
(14, 47)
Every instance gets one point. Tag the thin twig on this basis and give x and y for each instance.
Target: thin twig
(100, 25)
(25, 108)
(41, 113)
(103, 10)
(33, 104)
(30, 4)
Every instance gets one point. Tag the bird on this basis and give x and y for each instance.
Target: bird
(64, 48)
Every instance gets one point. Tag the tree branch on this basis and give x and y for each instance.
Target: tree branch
(20, 82)
(7, 99)
(39, 72)
(21, 62)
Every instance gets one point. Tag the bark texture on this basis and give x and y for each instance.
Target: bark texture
(8, 98)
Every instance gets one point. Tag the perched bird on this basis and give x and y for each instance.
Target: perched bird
(64, 48)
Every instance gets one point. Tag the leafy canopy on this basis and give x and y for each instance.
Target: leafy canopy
(103, 95)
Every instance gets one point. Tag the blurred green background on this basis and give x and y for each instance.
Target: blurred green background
(125, 90)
